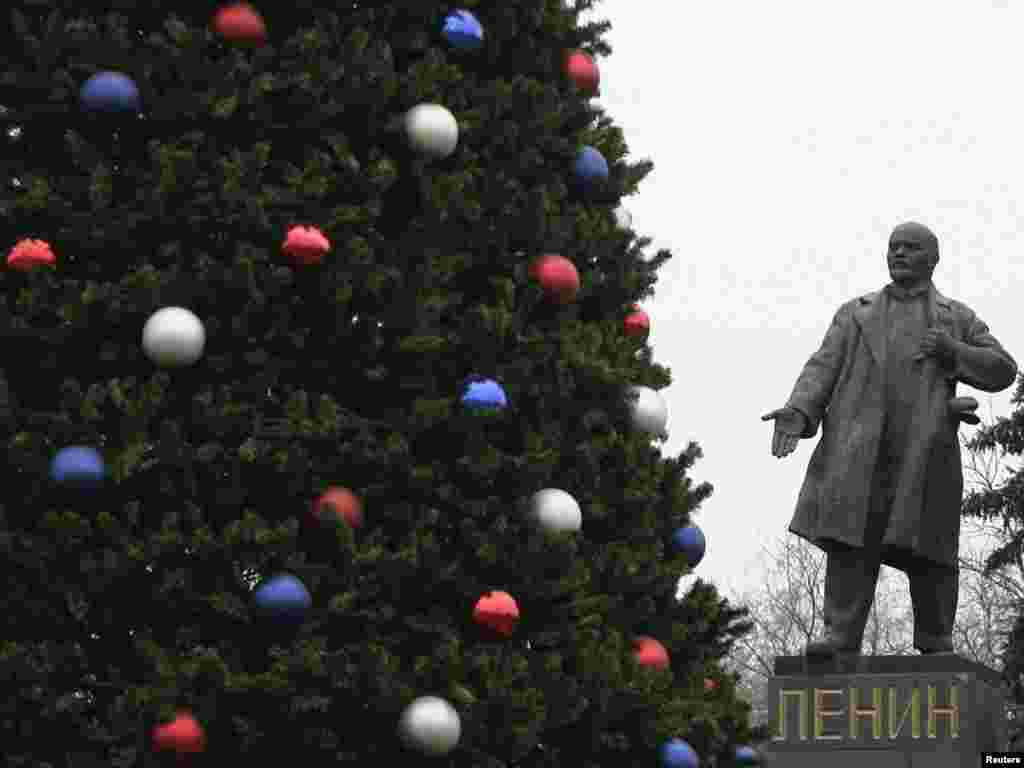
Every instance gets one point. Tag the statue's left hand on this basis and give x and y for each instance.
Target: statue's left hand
(937, 343)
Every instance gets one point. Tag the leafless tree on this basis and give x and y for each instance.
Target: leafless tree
(985, 614)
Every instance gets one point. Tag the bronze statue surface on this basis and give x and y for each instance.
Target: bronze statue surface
(885, 482)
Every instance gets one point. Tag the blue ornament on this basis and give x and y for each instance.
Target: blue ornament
(689, 541)
(590, 168)
(676, 753)
(283, 598)
(77, 467)
(484, 395)
(110, 92)
(747, 756)
(462, 31)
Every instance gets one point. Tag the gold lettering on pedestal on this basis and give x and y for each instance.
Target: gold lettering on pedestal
(801, 700)
(820, 713)
(898, 712)
(952, 712)
(913, 709)
(874, 712)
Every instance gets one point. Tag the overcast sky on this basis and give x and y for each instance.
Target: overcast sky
(789, 138)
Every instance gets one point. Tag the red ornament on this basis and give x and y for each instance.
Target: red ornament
(581, 69)
(306, 245)
(637, 323)
(557, 276)
(709, 684)
(650, 653)
(497, 611)
(182, 735)
(27, 254)
(338, 504)
(240, 23)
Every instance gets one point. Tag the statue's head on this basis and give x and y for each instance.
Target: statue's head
(913, 252)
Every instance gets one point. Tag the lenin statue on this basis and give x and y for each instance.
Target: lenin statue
(885, 483)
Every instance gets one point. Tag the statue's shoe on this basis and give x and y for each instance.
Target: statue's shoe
(827, 647)
(944, 647)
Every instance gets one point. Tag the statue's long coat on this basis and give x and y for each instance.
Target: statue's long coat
(843, 387)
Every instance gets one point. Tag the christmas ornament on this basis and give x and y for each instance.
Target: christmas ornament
(305, 245)
(336, 505)
(183, 735)
(590, 169)
(709, 684)
(637, 323)
(686, 583)
(462, 31)
(623, 218)
(676, 753)
(497, 611)
(430, 725)
(483, 395)
(582, 71)
(555, 510)
(689, 542)
(283, 598)
(746, 755)
(240, 23)
(27, 254)
(173, 337)
(110, 92)
(650, 653)
(77, 467)
(431, 130)
(648, 410)
(557, 276)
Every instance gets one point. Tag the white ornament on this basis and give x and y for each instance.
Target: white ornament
(649, 411)
(556, 510)
(623, 218)
(686, 583)
(430, 725)
(431, 130)
(173, 337)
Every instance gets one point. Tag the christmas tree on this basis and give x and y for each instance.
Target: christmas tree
(329, 414)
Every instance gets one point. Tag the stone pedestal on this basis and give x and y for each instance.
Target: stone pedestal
(884, 712)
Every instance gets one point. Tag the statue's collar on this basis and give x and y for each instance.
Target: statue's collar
(938, 298)
(897, 291)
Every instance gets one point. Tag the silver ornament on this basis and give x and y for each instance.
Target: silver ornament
(648, 410)
(430, 725)
(173, 337)
(556, 510)
(431, 130)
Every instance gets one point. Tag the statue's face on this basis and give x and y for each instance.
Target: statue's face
(910, 259)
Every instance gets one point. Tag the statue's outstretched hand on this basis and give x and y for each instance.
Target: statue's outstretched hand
(789, 425)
